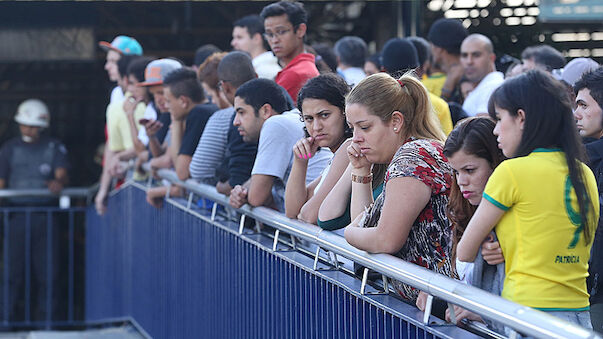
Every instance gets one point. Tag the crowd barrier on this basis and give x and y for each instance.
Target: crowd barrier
(42, 260)
(189, 271)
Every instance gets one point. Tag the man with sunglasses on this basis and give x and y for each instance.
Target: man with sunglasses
(285, 29)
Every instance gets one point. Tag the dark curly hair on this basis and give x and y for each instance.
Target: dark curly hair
(329, 87)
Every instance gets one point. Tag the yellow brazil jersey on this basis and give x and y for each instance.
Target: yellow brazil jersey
(119, 137)
(442, 111)
(546, 256)
(434, 83)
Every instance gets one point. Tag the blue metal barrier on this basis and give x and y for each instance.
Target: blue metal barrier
(179, 276)
(42, 277)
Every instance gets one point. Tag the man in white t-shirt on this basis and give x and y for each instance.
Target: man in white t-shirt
(351, 53)
(247, 37)
(477, 58)
(260, 116)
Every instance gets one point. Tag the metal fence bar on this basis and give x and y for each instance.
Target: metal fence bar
(27, 267)
(521, 318)
(70, 268)
(5, 289)
(49, 268)
(44, 192)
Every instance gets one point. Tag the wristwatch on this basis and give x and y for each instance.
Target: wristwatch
(362, 179)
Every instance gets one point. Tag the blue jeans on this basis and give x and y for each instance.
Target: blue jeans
(596, 317)
(580, 318)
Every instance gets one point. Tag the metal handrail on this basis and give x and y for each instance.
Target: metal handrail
(73, 192)
(520, 318)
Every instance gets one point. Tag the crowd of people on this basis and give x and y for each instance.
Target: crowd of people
(425, 150)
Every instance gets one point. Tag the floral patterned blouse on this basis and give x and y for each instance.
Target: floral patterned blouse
(429, 242)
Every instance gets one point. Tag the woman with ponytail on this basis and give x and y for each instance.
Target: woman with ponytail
(393, 124)
(542, 202)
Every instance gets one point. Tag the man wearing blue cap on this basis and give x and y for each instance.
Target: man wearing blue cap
(121, 45)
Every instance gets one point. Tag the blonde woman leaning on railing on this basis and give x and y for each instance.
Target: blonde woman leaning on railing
(394, 124)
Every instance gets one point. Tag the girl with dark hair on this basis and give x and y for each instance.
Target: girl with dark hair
(473, 154)
(540, 201)
(321, 103)
(394, 124)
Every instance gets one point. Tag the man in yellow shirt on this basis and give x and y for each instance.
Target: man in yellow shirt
(119, 135)
(399, 56)
(446, 36)
(435, 81)
(119, 146)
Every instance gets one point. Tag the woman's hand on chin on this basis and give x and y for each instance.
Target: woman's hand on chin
(357, 159)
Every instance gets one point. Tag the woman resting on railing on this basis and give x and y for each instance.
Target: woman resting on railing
(321, 103)
(540, 201)
(473, 154)
(394, 124)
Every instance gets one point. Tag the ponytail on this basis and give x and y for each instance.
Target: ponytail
(382, 95)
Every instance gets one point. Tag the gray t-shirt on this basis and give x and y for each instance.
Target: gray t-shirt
(275, 153)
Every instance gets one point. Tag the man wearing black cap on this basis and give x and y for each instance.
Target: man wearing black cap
(446, 37)
(399, 56)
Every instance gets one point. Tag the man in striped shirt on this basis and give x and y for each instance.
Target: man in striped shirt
(221, 147)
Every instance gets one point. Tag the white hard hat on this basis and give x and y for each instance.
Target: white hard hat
(33, 112)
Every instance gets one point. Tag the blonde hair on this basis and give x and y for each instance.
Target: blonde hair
(382, 95)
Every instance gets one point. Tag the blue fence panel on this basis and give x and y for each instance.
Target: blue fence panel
(179, 276)
(42, 266)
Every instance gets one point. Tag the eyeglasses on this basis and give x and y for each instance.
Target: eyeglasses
(278, 33)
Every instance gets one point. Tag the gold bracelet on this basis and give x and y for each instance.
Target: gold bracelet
(362, 179)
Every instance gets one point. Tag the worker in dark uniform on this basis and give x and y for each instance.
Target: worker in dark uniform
(30, 161)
